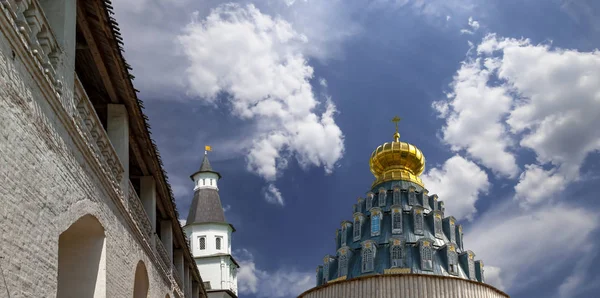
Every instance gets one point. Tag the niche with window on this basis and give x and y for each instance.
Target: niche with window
(426, 254)
(343, 262)
(396, 253)
(357, 227)
(369, 204)
(382, 197)
(418, 221)
(368, 257)
(396, 196)
(396, 220)
(437, 225)
(376, 217)
(412, 196)
(452, 257)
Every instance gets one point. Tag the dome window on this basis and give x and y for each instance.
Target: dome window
(202, 242)
(396, 220)
(452, 259)
(343, 261)
(396, 253)
(437, 225)
(375, 222)
(418, 221)
(382, 197)
(344, 233)
(426, 254)
(450, 228)
(368, 256)
(412, 196)
(327, 262)
(479, 271)
(467, 260)
(369, 204)
(396, 195)
(358, 218)
(459, 236)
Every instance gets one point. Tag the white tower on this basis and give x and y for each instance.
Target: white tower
(210, 234)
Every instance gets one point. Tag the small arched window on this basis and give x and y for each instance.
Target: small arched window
(357, 228)
(211, 181)
(375, 224)
(343, 263)
(426, 256)
(368, 258)
(344, 234)
(203, 181)
(202, 243)
(418, 221)
(397, 221)
(218, 243)
(452, 262)
(437, 225)
(412, 196)
(382, 197)
(397, 196)
(397, 254)
(369, 201)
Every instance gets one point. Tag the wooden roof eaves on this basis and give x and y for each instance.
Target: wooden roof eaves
(139, 119)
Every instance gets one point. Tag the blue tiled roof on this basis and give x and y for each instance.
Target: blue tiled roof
(410, 241)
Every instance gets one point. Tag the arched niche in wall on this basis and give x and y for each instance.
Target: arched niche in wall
(141, 283)
(82, 260)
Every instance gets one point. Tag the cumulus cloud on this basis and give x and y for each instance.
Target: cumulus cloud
(542, 98)
(263, 73)
(459, 182)
(473, 114)
(511, 240)
(536, 185)
(283, 282)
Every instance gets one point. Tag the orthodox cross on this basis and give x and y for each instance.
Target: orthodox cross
(396, 119)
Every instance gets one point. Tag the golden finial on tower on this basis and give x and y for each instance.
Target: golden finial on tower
(396, 119)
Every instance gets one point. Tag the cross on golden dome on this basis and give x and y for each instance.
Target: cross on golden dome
(396, 119)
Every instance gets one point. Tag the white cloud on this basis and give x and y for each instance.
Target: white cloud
(226, 208)
(283, 282)
(459, 183)
(273, 195)
(536, 185)
(544, 99)
(473, 112)
(519, 243)
(182, 222)
(323, 82)
(473, 24)
(263, 69)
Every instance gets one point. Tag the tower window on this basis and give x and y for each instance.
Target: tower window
(397, 196)
(218, 243)
(343, 235)
(396, 256)
(211, 181)
(452, 231)
(396, 221)
(357, 227)
(368, 262)
(202, 243)
(375, 224)
(369, 202)
(382, 197)
(203, 181)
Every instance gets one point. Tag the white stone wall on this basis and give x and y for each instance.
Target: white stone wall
(217, 270)
(47, 182)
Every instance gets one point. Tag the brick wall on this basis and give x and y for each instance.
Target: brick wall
(46, 184)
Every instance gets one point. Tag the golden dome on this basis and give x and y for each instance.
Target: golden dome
(397, 161)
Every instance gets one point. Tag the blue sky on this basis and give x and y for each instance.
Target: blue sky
(502, 97)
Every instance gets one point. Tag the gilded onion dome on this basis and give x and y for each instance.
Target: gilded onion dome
(397, 161)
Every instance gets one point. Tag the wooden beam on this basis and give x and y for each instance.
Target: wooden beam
(93, 47)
